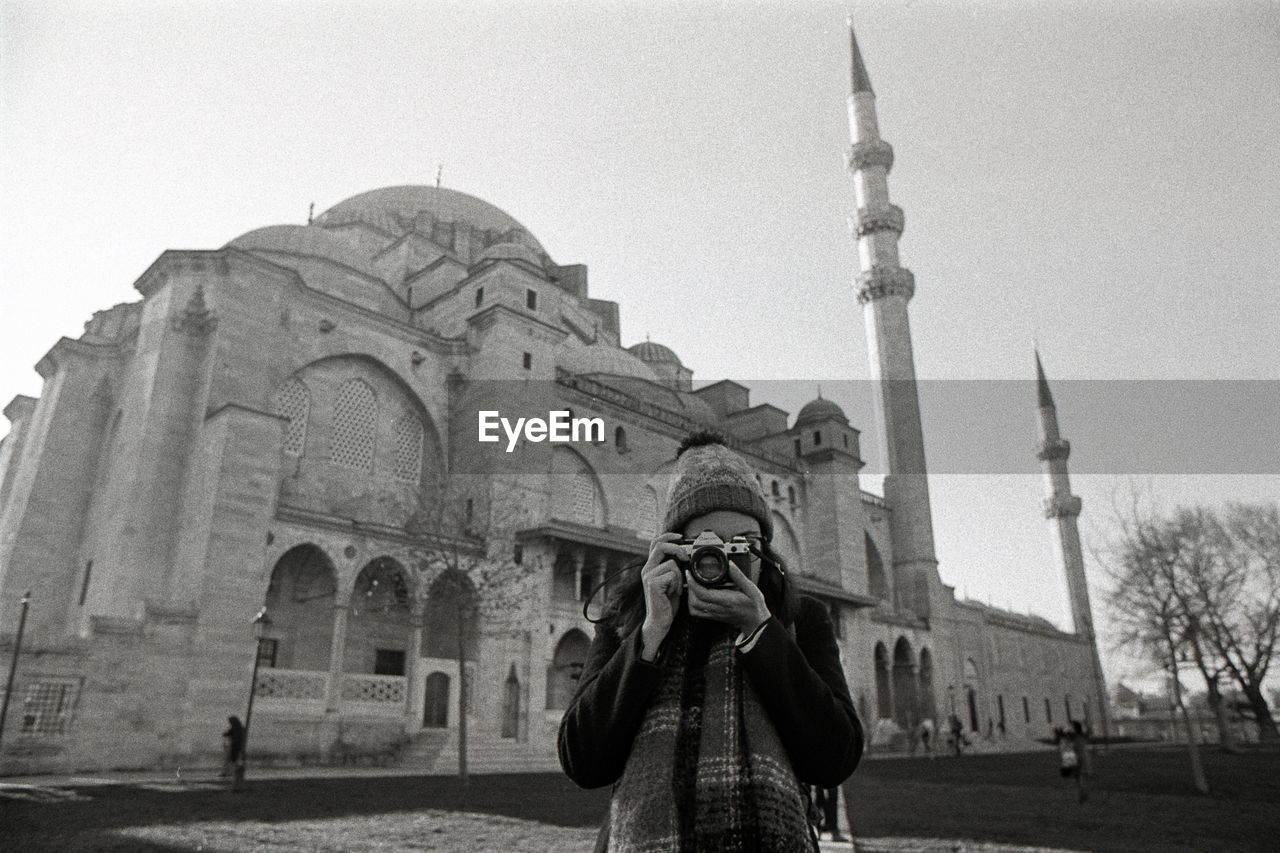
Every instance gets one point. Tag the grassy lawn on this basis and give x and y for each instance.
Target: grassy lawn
(1143, 800)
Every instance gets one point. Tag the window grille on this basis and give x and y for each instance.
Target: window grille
(408, 432)
(647, 515)
(355, 419)
(584, 498)
(47, 707)
(293, 402)
(388, 662)
(267, 648)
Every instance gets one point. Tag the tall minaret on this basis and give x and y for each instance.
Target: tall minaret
(884, 288)
(1062, 508)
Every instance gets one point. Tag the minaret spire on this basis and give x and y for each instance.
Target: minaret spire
(1062, 509)
(859, 79)
(884, 289)
(1042, 384)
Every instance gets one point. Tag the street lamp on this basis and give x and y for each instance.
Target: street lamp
(13, 665)
(260, 625)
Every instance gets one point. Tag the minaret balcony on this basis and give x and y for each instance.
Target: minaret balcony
(1061, 506)
(871, 220)
(876, 152)
(1058, 449)
(879, 282)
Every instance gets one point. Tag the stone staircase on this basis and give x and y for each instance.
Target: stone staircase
(436, 752)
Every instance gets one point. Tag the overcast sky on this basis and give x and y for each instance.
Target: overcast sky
(1103, 177)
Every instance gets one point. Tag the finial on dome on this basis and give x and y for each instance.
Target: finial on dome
(819, 390)
(439, 173)
(311, 212)
(859, 79)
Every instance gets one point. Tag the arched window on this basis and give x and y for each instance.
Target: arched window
(408, 434)
(884, 699)
(647, 511)
(293, 401)
(577, 498)
(774, 489)
(791, 495)
(355, 420)
(877, 587)
(566, 669)
(620, 440)
(511, 704)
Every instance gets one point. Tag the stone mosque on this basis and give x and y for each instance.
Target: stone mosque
(213, 501)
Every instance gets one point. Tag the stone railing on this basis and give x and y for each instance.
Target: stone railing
(292, 689)
(377, 694)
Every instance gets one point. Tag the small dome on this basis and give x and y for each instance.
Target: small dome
(603, 358)
(511, 252)
(651, 353)
(305, 241)
(820, 409)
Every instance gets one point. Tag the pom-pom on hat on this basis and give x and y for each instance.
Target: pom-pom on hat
(709, 476)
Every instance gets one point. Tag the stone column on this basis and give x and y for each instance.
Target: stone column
(579, 559)
(413, 670)
(337, 653)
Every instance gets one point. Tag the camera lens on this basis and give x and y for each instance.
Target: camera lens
(709, 566)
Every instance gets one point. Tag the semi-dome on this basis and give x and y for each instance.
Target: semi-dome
(390, 209)
(603, 358)
(820, 409)
(512, 252)
(305, 241)
(651, 353)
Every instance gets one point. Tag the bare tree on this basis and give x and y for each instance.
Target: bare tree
(1146, 607)
(464, 541)
(1238, 594)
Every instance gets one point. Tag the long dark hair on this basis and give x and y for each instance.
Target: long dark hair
(624, 594)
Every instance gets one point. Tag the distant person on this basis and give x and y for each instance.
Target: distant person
(1073, 756)
(926, 735)
(232, 746)
(828, 800)
(957, 734)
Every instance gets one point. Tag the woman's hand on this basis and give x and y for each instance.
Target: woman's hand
(741, 605)
(663, 583)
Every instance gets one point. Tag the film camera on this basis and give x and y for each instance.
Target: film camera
(707, 557)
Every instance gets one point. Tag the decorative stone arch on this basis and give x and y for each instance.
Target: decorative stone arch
(884, 692)
(451, 615)
(380, 618)
(877, 582)
(906, 704)
(576, 494)
(566, 668)
(785, 541)
(404, 429)
(928, 700)
(301, 594)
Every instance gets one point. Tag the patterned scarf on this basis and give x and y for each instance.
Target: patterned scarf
(707, 771)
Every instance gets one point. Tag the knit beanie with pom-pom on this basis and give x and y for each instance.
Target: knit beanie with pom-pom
(709, 476)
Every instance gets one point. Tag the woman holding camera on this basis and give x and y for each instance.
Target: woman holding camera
(711, 705)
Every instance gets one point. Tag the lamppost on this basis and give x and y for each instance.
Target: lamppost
(13, 664)
(260, 625)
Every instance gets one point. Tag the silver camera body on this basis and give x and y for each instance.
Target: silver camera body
(706, 558)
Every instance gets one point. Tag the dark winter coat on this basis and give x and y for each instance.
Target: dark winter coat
(800, 683)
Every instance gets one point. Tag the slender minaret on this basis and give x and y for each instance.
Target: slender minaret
(884, 289)
(1062, 508)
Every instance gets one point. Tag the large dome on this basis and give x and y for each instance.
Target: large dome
(392, 208)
